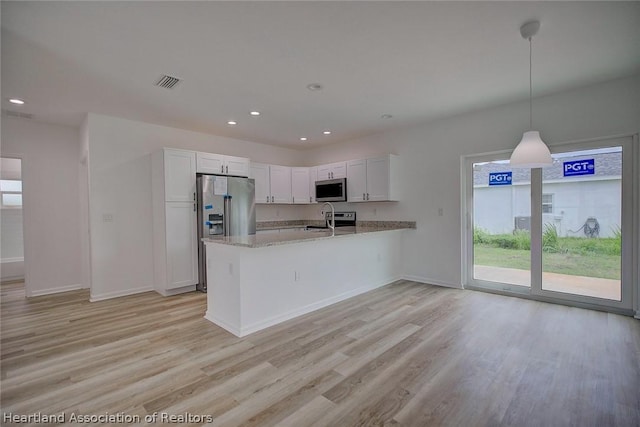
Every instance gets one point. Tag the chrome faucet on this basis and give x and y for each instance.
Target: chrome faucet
(332, 224)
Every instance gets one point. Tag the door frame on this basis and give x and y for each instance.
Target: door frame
(630, 212)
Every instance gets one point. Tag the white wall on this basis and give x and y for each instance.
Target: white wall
(120, 186)
(50, 202)
(429, 157)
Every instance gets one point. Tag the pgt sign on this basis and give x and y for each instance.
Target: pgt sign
(579, 167)
(500, 178)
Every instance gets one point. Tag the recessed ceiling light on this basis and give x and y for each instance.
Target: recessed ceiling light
(327, 132)
(231, 122)
(314, 86)
(16, 101)
(304, 138)
(386, 116)
(255, 113)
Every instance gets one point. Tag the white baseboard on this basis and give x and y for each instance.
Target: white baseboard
(116, 294)
(176, 291)
(11, 269)
(428, 281)
(224, 325)
(40, 292)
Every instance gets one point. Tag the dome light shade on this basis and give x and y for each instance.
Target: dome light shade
(531, 152)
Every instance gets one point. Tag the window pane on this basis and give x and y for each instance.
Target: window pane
(12, 199)
(10, 185)
(501, 223)
(581, 240)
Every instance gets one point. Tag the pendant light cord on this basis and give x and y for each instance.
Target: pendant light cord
(530, 89)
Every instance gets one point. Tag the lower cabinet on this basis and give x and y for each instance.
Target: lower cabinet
(181, 244)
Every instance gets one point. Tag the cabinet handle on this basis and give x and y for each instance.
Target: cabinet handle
(309, 199)
(194, 197)
(271, 199)
(267, 199)
(227, 168)
(293, 199)
(221, 168)
(194, 207)
(367, 196)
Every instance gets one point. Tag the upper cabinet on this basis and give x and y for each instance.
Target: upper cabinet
(373, 179)
(332, 171)
(273, 183)
(219, 164)
(260, 174)
(300, 186)
(280, 182)
(313, 177)
(179, 175)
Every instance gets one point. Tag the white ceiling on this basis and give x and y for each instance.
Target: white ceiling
(414, 60)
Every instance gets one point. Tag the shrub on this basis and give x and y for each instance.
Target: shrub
(550, 241)
(480, 235)
(522, 240)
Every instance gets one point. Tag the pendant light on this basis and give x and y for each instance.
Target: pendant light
(531, 152)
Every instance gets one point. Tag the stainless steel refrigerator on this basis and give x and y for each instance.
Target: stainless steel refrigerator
(226, 206)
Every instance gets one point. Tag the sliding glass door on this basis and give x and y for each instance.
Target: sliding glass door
(562, 233)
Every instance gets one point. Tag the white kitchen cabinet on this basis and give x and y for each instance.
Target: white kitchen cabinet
(280, 180)
(300, 186)
(372, 179)
(260, 174)
(332, 171)
(179, 174)
(273, 183)
(175, 249)
(313, 176)
(182, 245)
(219, 164)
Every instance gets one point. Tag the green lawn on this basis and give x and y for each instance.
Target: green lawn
(576, 264)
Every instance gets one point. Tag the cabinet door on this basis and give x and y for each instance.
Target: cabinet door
(378, 179)
(182, 249)
(313, 176)
(260, 173)
(209, 163)
(236, 166)
(300, 185)
(339, 170)
(280, 179)
(324, 172)
(179, 175)
(357, 180)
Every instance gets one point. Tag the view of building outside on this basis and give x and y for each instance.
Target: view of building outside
(573, 204)
(581, 217)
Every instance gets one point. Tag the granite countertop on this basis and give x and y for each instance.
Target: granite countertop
(294, 236)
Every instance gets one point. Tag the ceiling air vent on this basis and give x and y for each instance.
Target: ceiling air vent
(168, 82)
(10, 113)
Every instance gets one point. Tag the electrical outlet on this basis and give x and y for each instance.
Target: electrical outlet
(107, 218)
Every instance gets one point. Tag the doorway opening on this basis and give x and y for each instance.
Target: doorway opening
(11, 221)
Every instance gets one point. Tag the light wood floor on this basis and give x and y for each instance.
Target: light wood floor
(406, 354)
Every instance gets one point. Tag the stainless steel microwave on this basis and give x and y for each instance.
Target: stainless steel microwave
(331, 190)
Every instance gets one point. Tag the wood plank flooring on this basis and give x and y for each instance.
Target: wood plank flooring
(407, 354)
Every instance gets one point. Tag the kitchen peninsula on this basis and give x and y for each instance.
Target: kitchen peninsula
(261, 280)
